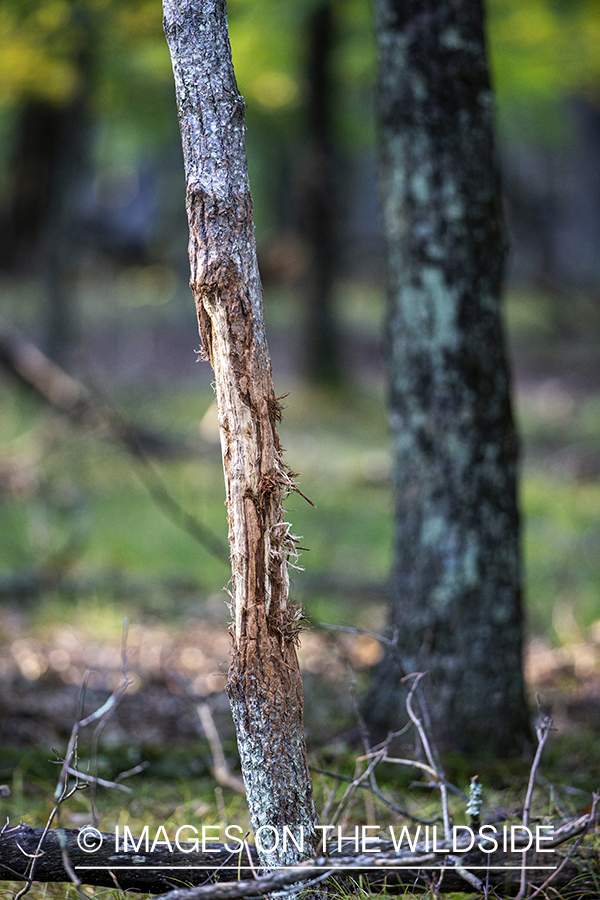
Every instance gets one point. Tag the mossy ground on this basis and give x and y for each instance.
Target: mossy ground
(75, 511)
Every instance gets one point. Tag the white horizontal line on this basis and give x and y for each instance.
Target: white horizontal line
(412, 868)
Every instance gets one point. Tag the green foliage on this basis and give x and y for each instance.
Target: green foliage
(114, 52)
(544, 48)
(41, 42)
(269, 52)
(542, 51)
(37, 47)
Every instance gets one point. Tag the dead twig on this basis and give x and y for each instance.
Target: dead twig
(83, 776)
(590, 821)
(62, 791)
(71, 398)
(405, 813)
(102, 782)
(435, 766)
(220, 768)
(542, 731)
(68, 867)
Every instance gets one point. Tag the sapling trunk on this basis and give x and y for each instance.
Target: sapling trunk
(265, 685)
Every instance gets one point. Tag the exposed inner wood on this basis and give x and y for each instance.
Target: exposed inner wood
(265, 687)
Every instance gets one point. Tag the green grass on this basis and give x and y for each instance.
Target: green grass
(88, 505)
(562, 555)
(76, 503)
(174, 796)
(86, 509)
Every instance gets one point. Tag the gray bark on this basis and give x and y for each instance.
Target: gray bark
(265, 686)
(456, 578)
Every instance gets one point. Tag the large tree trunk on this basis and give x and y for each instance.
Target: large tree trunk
(456, 597)
(265, 686)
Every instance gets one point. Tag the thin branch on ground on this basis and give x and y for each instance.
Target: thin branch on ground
(394, 867)
(439, 776)
(405, 813)
(424, 728)
(329, 793)
(381, 749)
(64, 852)
(379, 752)
(371, 758)
(62, 791)
(68, 396)
(118, 780)
(591, 820)
(542, 732)
(220, 768)
(129, 772)
(84, 776)
(100, 715)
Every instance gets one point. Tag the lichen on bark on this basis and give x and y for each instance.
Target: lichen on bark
(265, 686)
(456, 579)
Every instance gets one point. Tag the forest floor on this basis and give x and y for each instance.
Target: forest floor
(173, 668)
(83, 546)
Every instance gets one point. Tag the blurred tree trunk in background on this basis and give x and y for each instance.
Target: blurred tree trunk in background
(456, 583)
(51, 152)
(317, 185)
(59, 240)
(33, 159)
(59, 251)
(265, 685)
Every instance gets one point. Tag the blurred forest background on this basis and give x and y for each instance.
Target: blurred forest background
(95, 505)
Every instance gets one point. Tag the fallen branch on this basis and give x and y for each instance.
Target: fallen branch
(64, 790)
(220, 769)
(68, 396)
(233, 875)
(25, 361)
(149, 872)
(542, 731)
(552, 878)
